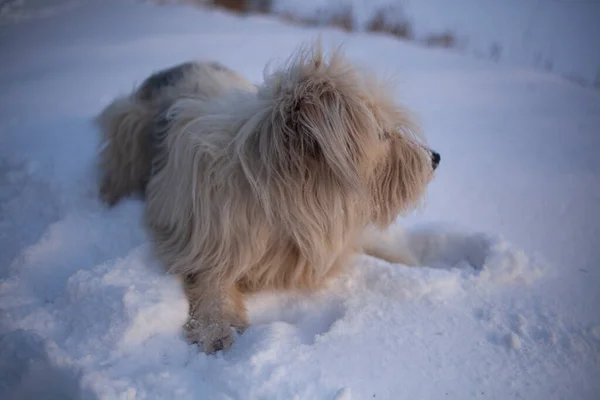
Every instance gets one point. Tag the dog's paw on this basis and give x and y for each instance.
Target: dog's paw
(213, 337)
(237, 321)
(240, 328)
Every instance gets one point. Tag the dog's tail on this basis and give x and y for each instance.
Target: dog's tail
(125, 153)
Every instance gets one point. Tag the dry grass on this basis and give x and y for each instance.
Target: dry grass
(342, 19)
(446, 39)
(239, 6)
(379, 24)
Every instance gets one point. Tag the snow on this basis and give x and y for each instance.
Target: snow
(19, 10)
(505, 305)
(562, 37)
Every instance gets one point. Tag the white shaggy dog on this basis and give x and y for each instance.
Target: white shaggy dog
(254, 187)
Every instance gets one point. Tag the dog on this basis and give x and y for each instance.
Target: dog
(272, 186)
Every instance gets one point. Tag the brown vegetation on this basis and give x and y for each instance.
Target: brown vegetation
(342, 19)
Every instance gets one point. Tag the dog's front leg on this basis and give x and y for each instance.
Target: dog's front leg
(389, 245)
(214, 311)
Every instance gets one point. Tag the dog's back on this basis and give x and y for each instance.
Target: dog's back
(133, 126)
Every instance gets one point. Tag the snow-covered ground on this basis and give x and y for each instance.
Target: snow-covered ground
(505, 306)
(562, 37)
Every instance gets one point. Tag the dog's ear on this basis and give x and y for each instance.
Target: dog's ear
(318, 118)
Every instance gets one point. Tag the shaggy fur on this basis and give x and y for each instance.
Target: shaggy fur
(132, 125)
(268, 187)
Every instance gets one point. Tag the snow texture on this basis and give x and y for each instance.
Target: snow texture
(562, 37)
(504, 306)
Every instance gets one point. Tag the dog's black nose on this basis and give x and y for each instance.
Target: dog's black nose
(435, 159)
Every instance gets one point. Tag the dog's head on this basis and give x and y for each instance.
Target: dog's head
(332, 136)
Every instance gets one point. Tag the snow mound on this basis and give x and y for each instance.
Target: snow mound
(493, 258)
(552, 36)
